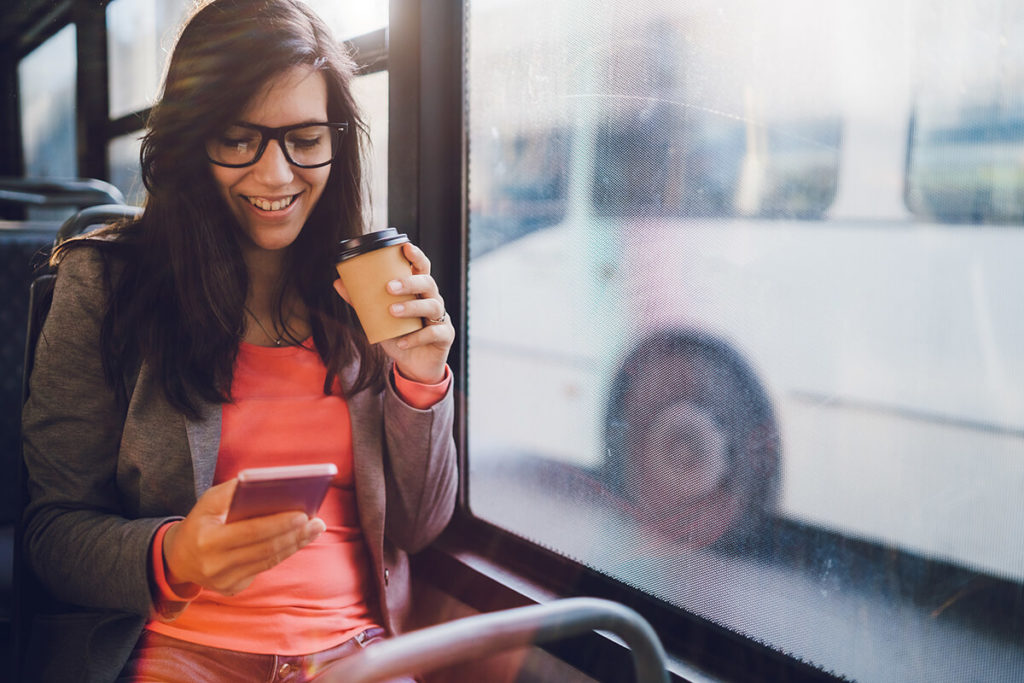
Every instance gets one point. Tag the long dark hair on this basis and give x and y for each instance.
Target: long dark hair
(180, 282)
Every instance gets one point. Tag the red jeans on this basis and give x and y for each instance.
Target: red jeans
(157, 657)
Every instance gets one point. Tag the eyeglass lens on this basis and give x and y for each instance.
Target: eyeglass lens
(311, 145)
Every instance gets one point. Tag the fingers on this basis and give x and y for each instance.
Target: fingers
(250, 532)
(243, 564)
(228, 570)
(216, 500)
(416, 257)
(203, 550)
(428, 305)
(421, 285)
(440, 335)
(429, 309)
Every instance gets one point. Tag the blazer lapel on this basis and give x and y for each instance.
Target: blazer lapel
(366, 421)
(204, 442)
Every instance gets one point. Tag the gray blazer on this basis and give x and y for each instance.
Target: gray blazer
(103, 475)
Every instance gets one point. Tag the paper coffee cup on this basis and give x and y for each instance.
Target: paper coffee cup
(365, 265)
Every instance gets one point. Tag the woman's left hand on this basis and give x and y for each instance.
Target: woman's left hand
(420, 356)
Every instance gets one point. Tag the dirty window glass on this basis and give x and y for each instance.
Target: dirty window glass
(743, 324)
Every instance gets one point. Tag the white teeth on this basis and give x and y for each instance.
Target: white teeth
(268, 205)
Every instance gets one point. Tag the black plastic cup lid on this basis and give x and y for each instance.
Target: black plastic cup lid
(370, 241)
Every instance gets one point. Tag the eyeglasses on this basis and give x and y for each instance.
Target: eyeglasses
(306, 145)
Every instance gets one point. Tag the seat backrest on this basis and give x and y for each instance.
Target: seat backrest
(27, 594)
(23, 253)
(73, 192)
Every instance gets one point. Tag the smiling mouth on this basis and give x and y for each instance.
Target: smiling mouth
(271, 204)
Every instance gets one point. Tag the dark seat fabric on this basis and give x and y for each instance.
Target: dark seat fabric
(23, 253)
(24, 250)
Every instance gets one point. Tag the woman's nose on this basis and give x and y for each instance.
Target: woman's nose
(273, 168)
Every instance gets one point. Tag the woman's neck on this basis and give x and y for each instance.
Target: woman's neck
(267, 323)
(266, 270)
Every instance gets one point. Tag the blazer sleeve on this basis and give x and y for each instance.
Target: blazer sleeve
(421, 478)
(77, 538)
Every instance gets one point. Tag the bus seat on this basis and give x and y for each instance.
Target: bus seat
(20, 592)
(428, 649)
(24, 248)
(72, 192)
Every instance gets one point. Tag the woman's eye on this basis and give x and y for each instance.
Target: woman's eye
(306, 143)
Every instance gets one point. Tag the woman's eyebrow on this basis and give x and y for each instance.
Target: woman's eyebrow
(297, 123)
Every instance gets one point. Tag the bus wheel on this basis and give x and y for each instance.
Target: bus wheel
(691, 440)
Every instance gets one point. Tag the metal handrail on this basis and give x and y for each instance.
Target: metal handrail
(481, 635)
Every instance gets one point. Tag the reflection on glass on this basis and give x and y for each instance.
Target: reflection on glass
(125, 171)
(354, 18)
(371, 94)
(735, 338)
(140, 37)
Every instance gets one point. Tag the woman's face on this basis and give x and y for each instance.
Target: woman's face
(298, 95)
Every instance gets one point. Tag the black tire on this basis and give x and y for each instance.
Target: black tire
(691, 440)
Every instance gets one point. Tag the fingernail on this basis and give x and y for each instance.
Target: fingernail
(397, 308)
(395, 286)
(403, 344)
(314, 528)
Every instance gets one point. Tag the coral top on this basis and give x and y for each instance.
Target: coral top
(321, 596)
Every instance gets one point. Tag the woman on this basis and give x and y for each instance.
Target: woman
(210, 336)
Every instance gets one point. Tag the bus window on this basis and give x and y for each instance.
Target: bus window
(525, 192)
(966, 161)
(350, 19)
(125, 172)
(46, 85)
(966, 156)
(748, 366)
(140, 35)
(666, 146)
(371, 92)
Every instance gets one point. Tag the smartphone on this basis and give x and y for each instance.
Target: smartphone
(268, 490)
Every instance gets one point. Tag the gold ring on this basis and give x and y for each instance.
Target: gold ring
(438, 321)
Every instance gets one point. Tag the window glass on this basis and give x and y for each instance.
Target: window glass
(967, 138)
(46, 82)
(46, 87)
(371, 94)
(352, 18)
(725, 344)
(125, 171)
(140, 37)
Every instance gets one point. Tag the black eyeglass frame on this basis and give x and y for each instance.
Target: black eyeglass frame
(338, 131)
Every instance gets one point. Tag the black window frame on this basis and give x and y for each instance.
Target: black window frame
(29, 24)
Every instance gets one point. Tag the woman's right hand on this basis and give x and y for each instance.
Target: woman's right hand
(203, 550)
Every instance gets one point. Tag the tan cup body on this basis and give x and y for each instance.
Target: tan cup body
(366, 277)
